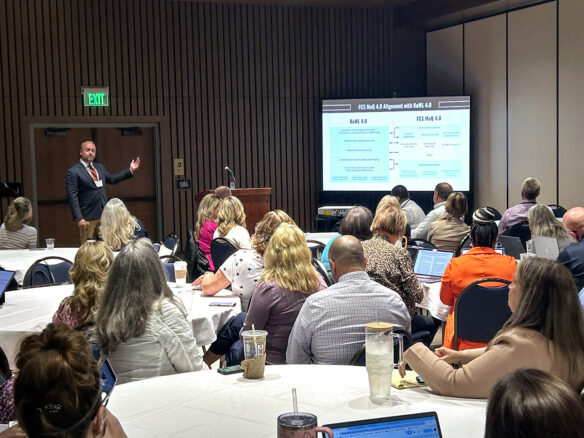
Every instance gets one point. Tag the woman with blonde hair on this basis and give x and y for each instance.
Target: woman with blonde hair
(15, 233)
(447, 232)
(88, 274)
(287, 280)
(393, 200)
(231, 223)
(207, 224)
(544, 332)
(543, 223)
(118, 227)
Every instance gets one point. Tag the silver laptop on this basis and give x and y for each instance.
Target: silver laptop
(430, 264)
(546, 247)
(423, 425)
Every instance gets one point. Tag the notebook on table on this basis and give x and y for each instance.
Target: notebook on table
(423, 425)
(546, 247)
(430, 265)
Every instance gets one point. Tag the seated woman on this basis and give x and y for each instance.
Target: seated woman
(480, 262)
(391, 265)
(243, 269)
(141, 326)
(58, 391)
(543, 223)
(357, 222)
(231, 223)
(88, 274)
(447, 232)
(117, 226)
(392, 200)
(532, 403)
(14, 232)
(287, 280)
(545, 332)
(207, 224)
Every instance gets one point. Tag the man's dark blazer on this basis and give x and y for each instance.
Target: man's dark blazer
(86, 200)
(572, 257)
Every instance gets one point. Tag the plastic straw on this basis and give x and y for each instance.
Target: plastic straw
(255, 343)
(294, 401)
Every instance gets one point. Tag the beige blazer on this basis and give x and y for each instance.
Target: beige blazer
(482, 369)
(447, 232)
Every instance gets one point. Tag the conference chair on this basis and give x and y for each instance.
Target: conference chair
(358, 358)
(422, 243)
(168, 262)
(481, 310)
(316, 247)
(558, 210)
(170, 259)
(197, 263)
(171, 242)
(322, 271)
(464, 244)
(5, 372)
(41, 273)
(522, 231)
(221, 249)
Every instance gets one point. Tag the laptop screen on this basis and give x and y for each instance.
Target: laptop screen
(5, 277)
(423, 425)
(432, 263)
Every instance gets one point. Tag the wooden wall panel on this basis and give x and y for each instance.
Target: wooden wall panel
(236, 85)
(532, 83)
(445, 62)
(570, 98)
(485, 80)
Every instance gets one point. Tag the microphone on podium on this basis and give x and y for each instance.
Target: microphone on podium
(231, 177)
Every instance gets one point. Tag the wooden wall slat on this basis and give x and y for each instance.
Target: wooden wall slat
(236, 85)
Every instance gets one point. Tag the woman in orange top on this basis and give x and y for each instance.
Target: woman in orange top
(480, 262)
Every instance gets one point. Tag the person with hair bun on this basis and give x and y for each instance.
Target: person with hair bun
(532, 403)
(544, 332)
(15, 233)
(58, 391)
(482, 261)
(288, 279)
(88, 274)
(447, 232)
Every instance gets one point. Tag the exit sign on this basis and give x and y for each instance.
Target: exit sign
(95, 96)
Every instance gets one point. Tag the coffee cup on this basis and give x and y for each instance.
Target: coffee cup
(300, 425)
(254, 350)
(180, 273)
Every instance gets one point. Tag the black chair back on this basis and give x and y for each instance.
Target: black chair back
(197, 263)
(480, 311)
(558, 210)
(5, 372)
(464, 244)
(171, 242)
(221, 249)
(42, 273)
(170, 271)
(522, 231)
(170, 259)
(322, 271)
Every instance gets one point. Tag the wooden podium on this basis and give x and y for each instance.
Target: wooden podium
(256, 203)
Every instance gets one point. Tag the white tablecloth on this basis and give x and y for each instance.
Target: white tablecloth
(208, 404)
(19, 260)
(28, 311)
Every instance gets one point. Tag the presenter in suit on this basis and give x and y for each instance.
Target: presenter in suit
(86, 191)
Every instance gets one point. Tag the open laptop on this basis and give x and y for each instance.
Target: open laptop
(423, 425)
(513, 246)
(430, 265)
(546, 247)
(5, 279)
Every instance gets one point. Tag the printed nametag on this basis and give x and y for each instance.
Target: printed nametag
(98, 183)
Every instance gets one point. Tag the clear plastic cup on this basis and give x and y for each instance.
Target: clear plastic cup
(50, 241)
(180, 273)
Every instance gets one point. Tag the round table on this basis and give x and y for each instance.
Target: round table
(209, 404)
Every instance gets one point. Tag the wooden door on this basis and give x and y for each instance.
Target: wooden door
(54, 155)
